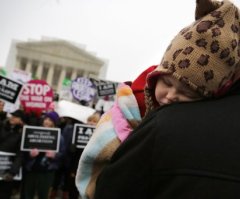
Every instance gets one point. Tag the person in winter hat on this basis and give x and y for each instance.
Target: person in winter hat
(201, 62)
(51, 119)
(10, 141)
(40, 167)
(204, 56)
(177, 151)
(112, 129)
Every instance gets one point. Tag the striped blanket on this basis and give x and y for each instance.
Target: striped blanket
(113, 128)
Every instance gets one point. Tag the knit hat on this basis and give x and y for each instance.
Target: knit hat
(20, 114)
(53, 116)
(138, 86)
(205, 56)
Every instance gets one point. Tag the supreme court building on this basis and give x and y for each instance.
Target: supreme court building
(55, 60)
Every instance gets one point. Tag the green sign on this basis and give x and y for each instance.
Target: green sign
(66, 82)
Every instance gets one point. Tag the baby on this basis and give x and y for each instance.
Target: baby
(202, 61)
(117, 124)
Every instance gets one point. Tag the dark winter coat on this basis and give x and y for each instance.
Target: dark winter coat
(41, 163)
(181, 151)
(72, 154)
(3, 116)
(10, 140)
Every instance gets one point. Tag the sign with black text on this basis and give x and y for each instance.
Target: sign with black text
(82, 134)
(41, 138)
(6, 161)
(9, 89)
(106, 89)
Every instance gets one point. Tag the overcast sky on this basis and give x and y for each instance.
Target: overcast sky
(130, 34)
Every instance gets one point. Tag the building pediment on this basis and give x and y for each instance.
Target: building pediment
(60, 48)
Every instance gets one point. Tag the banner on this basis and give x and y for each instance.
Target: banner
(20, 75)
(9, 89)
(6, 161)
(65, 92)
(41, 138)
(82, 134)
(83, 89)
(36, 95)
(106, 89)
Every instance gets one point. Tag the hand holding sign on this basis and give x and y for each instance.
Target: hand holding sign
(50, 154)
(34, 153)
(7, 168)
(40, 139)
(81, 135)
(9, 89)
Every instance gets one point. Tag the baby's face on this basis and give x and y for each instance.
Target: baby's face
(169, 90)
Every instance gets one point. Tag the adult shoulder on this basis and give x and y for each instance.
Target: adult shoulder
(187, 139)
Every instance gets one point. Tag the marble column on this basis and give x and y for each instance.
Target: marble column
(29, 66)
(18, 63)
(39, 70)
(85, 73)
(61, 78)
(50, 74)
(74, 74)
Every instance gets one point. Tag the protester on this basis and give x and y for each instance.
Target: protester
(93, 119)
(65, 176)
(40, 167)
(67, 170)
(177, 151)
(3, 114)
(71, 158)
(10, 139)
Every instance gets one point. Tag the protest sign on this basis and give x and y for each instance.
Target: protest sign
(82, 134)
(36, 95)
(42, 138)
(106, 89)
(9, 89)
(83, 89)
(20, 75)
(6, 161)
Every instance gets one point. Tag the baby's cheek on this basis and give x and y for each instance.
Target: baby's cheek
(184, 98)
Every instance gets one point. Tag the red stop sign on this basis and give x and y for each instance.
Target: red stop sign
(36, 95)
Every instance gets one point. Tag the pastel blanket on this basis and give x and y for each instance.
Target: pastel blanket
(113, 128)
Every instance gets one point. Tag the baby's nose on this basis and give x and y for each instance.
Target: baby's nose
(172, 95)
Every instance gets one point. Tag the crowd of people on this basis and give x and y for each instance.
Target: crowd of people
(45, 175)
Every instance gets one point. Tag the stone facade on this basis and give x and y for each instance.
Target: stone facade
(55, 60)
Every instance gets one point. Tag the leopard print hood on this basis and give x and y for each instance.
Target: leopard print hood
(205, 55)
